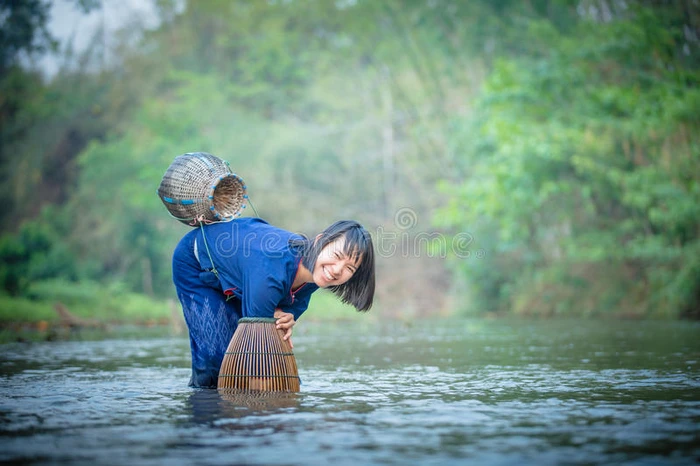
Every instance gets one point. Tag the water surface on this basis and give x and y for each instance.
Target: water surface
(443, 392)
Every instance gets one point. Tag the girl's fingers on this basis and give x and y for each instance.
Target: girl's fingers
(285, 325)
(286, 321)
(288, 336)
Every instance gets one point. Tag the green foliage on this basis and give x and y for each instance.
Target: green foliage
(88, 299)
(36, 252)
(325, 306)
(562, 136)
(589, 177)
(14, 309)
(24, 30)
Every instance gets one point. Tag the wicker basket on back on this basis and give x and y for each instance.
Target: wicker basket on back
(201, 187)
(257, 358)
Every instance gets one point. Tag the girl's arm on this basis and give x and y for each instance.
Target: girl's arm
(288, 315)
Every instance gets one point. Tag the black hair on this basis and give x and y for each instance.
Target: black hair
(359, 290)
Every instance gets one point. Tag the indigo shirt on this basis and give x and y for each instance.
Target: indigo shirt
(255, 264)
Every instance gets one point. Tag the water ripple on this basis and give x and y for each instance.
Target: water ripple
(483, 393)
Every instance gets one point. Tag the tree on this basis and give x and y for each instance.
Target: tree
(584, 166)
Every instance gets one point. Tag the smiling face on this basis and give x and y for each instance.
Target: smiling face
(334, 266)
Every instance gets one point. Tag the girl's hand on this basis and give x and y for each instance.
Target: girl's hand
(285, 322)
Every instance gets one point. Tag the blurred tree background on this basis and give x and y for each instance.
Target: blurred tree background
(536, 157)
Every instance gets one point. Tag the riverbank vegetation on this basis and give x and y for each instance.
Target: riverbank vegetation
(58, 309)
(534, 158)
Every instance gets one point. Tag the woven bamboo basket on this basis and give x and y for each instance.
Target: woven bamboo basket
(201, 187)
(258, 359)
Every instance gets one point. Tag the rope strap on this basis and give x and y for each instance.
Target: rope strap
(206, 245)
(251, 320)
(261, 376)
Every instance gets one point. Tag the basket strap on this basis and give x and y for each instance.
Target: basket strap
(254, 209)
(258, 376)
(249, 320)
(213, 266)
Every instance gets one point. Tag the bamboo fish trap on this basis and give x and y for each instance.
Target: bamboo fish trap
(198, 186)
(258, 359)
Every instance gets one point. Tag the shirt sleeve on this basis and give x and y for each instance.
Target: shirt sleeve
(300, 303)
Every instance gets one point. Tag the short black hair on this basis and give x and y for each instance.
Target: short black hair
(359, 290)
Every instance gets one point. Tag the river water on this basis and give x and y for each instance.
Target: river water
(429, 393)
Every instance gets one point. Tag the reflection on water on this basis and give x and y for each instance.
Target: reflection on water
(211, 406)
(435, 393)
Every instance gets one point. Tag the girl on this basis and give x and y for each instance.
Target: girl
(249, 268)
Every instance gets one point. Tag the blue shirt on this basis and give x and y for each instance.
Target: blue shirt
(255, 264)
